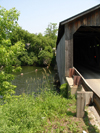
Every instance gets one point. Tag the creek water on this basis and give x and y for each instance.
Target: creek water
(33, 79)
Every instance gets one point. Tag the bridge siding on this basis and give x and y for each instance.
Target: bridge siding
(65, 46)
(60, 59)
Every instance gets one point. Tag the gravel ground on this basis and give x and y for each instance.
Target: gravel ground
(94, 116)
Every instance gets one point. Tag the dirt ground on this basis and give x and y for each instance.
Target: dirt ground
(93, 116)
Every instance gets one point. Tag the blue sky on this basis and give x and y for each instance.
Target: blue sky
(35, 15)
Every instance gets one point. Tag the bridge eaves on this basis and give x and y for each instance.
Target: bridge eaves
(73, 18)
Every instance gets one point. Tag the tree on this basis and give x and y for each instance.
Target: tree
(9, 63)
(34, 53)
(51, 31)
(8, 54)
(8, 21)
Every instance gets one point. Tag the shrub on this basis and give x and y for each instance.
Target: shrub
(45, 56)
(64, 90)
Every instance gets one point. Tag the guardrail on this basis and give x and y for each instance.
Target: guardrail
(87, 87)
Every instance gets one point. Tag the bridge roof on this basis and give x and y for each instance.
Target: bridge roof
(62, 23)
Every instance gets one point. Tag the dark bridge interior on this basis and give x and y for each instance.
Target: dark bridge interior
(86, 42)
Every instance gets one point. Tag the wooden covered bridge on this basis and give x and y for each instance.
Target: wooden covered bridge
(78, 47)
(78, 42)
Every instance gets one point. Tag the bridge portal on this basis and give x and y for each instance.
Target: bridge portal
(78, 42)
(86, 47)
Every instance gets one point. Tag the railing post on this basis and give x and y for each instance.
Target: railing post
(80, 104)
(83, 98)
(71, 72)
(77, 80)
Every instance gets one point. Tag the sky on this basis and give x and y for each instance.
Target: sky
(36, 15)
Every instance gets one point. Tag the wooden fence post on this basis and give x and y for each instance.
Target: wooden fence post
(77, 80)
(83, 98)
(71, 72)
(80, 104)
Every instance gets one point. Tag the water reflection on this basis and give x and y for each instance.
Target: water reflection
(33, 79)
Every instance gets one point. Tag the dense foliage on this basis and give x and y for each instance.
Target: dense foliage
(8, 21)
(19, 47)
(8, 64)
(8, 54)
(40, 49)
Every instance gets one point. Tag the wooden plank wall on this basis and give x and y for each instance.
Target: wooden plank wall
(64, 56)
(60, 59)
(91, 19)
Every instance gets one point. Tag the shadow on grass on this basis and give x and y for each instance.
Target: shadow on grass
(69, 113)
(91, 128)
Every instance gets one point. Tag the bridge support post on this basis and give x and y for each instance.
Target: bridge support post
(83, 98)
(80, 104)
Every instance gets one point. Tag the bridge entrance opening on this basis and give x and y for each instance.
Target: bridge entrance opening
(86, 47)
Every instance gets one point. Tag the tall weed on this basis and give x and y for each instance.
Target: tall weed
(28, 113)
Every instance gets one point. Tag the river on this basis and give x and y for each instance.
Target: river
(33, 79)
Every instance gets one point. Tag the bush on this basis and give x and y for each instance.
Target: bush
(64, 90)
(45, 56)
(28, 58)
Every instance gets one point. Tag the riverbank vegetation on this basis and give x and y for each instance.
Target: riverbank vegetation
(38, 48)
(45, 111)
(48, 112)
(19, 47)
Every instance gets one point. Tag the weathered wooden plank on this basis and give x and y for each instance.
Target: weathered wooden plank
(97, 17)
(79, 23)
(89, 20)
(61, 58)
(67, 32)
(84, 21)
(80, 104)
(59, 70)
(66, 58)
(75, 26)
(93, 20)
(71, 72)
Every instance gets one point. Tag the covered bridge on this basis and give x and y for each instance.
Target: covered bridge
(78, 42)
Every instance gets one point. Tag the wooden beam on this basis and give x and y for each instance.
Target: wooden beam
(80, 104)
(83, 98)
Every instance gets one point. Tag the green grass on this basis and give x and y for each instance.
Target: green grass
(46, 113)
(31, 114)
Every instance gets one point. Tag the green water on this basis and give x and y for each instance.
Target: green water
(32, 81)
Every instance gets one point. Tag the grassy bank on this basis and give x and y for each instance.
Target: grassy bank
(48, 112)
